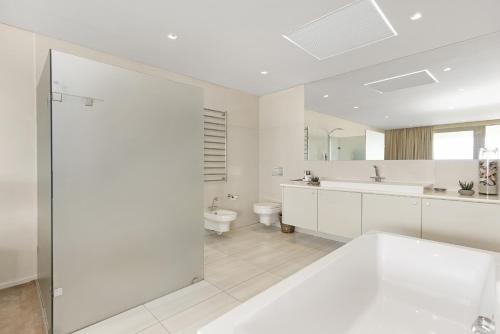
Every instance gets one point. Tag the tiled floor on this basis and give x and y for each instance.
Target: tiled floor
(238, 265)
(20, 310)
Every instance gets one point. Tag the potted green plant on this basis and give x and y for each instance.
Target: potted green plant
(314, 181)
(466, 188)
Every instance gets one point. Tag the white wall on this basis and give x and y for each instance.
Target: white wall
(21, 61)
(281, 140)
(17, 165)
(281, 144)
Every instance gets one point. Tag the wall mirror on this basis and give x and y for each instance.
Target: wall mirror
(439, 104)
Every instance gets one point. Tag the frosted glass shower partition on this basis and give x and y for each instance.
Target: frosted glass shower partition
(122, 221)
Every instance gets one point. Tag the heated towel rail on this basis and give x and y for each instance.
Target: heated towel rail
(215, 145)
(306, 143)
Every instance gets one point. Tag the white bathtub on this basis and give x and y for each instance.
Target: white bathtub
(377, 283)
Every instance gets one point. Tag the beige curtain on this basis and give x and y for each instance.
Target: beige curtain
(409, 144)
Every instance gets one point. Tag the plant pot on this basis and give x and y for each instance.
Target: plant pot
(285, 228)
(466, 192)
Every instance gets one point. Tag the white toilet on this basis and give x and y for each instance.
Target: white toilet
(268, 212)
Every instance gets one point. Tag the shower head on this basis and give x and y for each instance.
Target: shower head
(333, 130)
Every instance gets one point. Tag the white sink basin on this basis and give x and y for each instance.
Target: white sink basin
(391, 187)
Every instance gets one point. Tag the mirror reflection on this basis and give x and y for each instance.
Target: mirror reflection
(440, 104)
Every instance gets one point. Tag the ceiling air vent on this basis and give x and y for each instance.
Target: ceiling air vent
(348, 28)
(403, 81)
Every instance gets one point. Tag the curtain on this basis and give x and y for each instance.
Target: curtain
(409, 144)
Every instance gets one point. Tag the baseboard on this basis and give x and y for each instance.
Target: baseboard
(322, 235)
(5, 285)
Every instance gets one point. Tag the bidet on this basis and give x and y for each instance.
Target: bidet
(219, 220)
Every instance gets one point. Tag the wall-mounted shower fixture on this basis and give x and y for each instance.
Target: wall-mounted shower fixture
(333, 130)
(330, 134)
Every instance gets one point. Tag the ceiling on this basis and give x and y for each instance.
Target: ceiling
(467, 88)
(230, 42)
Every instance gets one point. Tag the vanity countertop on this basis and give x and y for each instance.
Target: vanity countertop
(452, 195)
(455, 196)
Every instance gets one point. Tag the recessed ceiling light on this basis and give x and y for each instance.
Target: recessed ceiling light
(172, 36)
(447, 69)
(461, 90)
(416, 16)
(264, 72)
(386, 116)
(325, 96)
(451, 107)
(356, 107)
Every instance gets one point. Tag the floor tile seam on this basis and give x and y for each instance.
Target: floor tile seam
(191, 306)
(246, 280)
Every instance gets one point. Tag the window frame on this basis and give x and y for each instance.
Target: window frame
(479, 134)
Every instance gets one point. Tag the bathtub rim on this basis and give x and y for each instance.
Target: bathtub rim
(226, 324)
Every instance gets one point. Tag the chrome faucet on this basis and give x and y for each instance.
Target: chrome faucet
(483, 325)
(213, 207)
(377, 176)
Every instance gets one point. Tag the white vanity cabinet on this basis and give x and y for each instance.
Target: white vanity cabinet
(300, 207)
(390, 213)
(464, 223)
(339, 213)
(347, 214)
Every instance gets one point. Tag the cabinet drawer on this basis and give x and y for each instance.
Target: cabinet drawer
(339, 213)
(463, 223)
(300, 207)
(396, 214)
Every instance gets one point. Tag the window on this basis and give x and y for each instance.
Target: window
(375, 145)
(453, 145)
(492, 139)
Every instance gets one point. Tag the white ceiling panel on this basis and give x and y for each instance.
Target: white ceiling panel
(403, 81)
(230, 42)
(356, 25)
